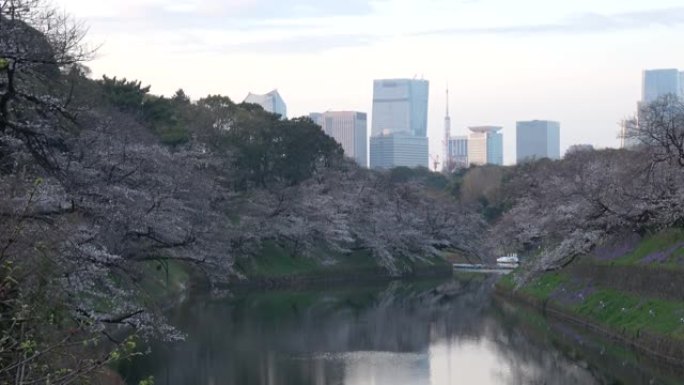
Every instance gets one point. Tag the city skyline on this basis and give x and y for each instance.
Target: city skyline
(574, 62)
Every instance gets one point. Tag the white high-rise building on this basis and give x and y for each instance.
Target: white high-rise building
(271, 102)
(349, 129)
(485, 145)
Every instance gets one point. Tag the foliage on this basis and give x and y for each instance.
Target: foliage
(483, 184)
(36, 43)
(46, 334)
(561, 210)
(99, 180)
(166, 120)
(422, 175)
(271, 150)
(659, 128)
(123, 94)
(222, 111)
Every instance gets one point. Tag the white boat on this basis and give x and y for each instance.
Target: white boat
(510, 261)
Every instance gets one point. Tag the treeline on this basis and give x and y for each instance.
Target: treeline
(552, 212)
(101, 181)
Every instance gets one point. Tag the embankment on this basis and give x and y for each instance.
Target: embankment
(274, 268)
(631, 290)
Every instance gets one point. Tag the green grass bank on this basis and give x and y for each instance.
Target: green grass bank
(274, 266)
(631, 289)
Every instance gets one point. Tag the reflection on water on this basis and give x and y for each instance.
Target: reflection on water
(431, 333)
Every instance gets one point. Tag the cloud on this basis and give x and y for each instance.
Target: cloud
(233, 15)
(193, 12)
(302, 45)
(286, 45)
(581, 24)
(313, 26)
(307, 8)
(238, 26)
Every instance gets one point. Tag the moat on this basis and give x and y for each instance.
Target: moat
(444, 332)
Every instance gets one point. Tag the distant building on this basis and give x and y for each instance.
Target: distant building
(271, 102)
(458, 152)
(495, 148)
(537, 139)
(400, 105)
(398, 149)
(661, 82)
(655, 84)
(317, 118)
(627, 128)
(399, 126)
(485, 145)
(349, 129)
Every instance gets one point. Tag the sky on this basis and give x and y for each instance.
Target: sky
(577, 62)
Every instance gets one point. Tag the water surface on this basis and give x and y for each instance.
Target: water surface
(399, 333)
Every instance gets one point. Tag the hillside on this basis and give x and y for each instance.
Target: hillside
(629, 289)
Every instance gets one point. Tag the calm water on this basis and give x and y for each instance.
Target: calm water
(401, 333)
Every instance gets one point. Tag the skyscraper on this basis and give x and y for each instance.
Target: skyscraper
(537, 139)
(485, 145)
(660, 82)
(400, 149)
(348, 128)
(399, 111)
(271, 102)
(654, 85)
(458, 152)
(400, 105)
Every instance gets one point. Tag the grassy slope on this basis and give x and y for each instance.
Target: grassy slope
(274, 262)
(668, 245)
(618, 310)
(586, 346)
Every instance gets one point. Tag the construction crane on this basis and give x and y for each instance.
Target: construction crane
(435, 162)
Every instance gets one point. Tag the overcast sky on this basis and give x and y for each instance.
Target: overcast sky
(578, 62)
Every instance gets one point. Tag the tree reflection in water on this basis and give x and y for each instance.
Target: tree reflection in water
(432, 333)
